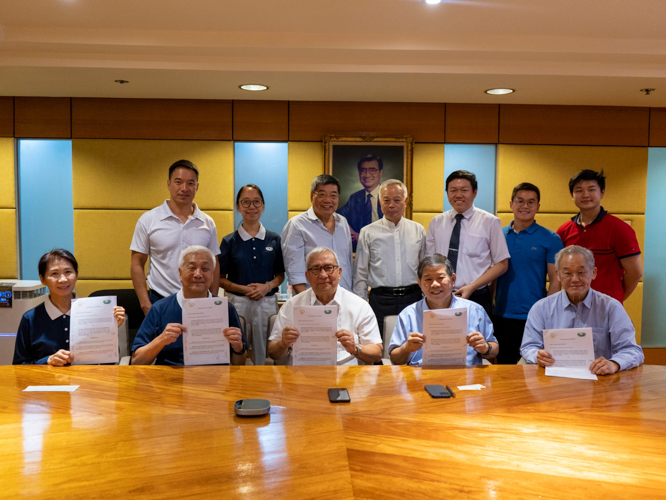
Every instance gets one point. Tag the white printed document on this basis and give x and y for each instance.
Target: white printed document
(316, 343)
(93, 331)
(204, 342)
(573, 352)
(445, 332)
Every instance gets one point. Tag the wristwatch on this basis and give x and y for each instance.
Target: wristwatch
(238, 353)
(358, 351)
(490, 348)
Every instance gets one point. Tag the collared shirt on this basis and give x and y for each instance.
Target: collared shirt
(388, 255)
(613, 332)
(170, 310)
(524, 283)
(354, 315)
(249, 259)
(482, 243)
(43, 331)
(375, 202)
(610, 239)
(304, 233)
(162, 236)
(411, 320)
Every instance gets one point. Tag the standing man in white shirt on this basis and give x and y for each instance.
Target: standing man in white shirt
(165, 231)
(471, 238)
(388, 255)
(319, 226)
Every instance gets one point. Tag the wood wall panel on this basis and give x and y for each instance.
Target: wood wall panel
(311, 121)
(261, 120)
(657, 127)
(472, 123)
(655, 355)
(43, 117)
(6, 117)
(573, 125)
(151, 119)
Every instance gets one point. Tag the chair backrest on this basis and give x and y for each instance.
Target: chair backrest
(126, 298)
(389, 325)
(248, 337)
(124, 346)
(271, 324)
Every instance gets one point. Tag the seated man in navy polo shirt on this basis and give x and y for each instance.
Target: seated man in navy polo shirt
(532, 248)
(160, 337)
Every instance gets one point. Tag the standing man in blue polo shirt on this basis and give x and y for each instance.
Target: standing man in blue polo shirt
(532, 248)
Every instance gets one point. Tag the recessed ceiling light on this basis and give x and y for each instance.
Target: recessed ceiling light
(253, 87)
(432, 2)
(499, 91)
(121, 82)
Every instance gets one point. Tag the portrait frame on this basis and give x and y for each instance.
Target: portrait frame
(341, 165)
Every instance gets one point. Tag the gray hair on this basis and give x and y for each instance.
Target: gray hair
(574, 250)
(393, 182)
(318, 251)
(435, 260)
(195, 249)
(324, 180)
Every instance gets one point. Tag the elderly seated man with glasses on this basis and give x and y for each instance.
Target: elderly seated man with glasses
(578, 305)
(357, 331)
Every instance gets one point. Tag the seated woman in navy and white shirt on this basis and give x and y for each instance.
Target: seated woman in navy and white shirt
(43, 335)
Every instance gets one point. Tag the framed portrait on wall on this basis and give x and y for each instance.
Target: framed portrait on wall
(361, 164)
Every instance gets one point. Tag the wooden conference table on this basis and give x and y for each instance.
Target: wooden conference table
(163, 432)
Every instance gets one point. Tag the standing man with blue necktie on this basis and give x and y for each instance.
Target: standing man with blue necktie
(362, 207)
(471, 238)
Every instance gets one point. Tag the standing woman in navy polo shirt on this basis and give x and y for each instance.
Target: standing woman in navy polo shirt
(251, 268)
(43, 335)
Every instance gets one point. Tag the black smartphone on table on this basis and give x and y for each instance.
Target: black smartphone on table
(338, 396)
(437, 391)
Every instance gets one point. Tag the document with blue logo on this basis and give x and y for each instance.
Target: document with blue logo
(445, 331)
(573, 352)
(204, 342)
(316, 343)
(93, 335)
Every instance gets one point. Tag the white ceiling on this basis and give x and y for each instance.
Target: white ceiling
(551, 52)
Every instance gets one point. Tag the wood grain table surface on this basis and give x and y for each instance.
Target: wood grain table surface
(163, 432)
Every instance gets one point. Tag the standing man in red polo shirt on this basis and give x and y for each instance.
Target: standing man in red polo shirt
(611, 240)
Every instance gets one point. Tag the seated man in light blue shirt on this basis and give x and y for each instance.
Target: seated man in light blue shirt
(437, 279)
(578, 305)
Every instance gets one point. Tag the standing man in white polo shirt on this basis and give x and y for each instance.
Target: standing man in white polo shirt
(164, 232)
(471, 238)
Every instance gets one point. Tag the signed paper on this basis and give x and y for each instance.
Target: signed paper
(204, 342)
(316, 344)
(445, 331)
(93, 336)
(573, 352)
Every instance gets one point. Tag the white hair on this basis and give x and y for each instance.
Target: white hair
(574, 250)
(195, 249)
(318, 251)
(393, 182)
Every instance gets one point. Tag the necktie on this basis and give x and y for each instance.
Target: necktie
(454, 243)
(367, 214)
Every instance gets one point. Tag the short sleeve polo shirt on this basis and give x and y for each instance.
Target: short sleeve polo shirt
(524, 283)
(610, 239)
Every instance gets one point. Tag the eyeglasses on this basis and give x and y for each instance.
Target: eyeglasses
(371, 171)
(324, 195)
(529, 203)
(567, 275)
(329, 268)
(247, 203)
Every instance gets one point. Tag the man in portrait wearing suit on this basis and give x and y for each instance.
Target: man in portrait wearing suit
(362, 207)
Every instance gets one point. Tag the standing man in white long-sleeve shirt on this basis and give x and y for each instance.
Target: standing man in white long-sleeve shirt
(471, 238)
(388, 255)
